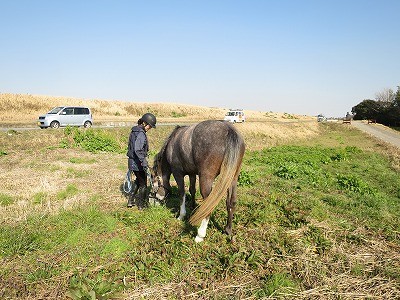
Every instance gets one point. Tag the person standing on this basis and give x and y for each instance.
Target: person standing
(138, 148)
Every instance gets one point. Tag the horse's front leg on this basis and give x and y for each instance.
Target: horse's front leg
(165, 181)
(182, 196)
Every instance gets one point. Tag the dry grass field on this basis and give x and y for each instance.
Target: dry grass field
(25, 109)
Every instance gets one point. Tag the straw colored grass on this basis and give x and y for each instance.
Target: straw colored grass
(25, 109)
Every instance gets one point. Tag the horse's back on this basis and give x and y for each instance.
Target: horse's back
(201, 147)
(211, 134)
(211, 139)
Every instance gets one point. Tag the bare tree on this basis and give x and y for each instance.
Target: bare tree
(386, 97)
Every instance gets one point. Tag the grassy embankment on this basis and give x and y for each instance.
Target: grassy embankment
(318, 217)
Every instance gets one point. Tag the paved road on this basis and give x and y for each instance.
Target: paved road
(381, 132)
(130, 124)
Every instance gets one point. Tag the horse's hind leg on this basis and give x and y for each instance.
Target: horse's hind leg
(231, 206)
(202, 230)
(192, 190)
(205, 190)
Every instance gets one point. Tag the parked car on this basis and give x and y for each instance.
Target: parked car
(235, 116)
(321, 118)
(66, 115)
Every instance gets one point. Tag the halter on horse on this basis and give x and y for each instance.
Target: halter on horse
(207, 149)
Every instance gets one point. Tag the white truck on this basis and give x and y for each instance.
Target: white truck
(235, 116)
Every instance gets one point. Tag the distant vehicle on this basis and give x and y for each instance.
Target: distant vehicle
(321, 118)
(348, 118)
(66, 115)
(235, 116)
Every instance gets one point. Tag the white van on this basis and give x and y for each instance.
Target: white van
(66, 115)
(235, 116)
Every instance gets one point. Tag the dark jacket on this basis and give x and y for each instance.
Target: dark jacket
(138, 148)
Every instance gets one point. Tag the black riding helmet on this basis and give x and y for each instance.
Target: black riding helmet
(150, 119)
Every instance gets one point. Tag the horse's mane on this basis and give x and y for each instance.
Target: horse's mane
(161, 153)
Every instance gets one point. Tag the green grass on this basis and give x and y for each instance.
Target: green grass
(6, 199)
(82, 160)
(69, 191)
(347, 180)
(73, 173)
(304, 214)
(39, 198)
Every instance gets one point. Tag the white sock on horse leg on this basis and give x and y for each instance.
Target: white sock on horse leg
(182, 210)
(202, 230)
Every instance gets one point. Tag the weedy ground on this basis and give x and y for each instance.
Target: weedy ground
(318, 217)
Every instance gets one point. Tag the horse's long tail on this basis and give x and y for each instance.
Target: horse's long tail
(230, 168)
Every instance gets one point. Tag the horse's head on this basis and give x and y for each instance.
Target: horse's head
(158, 186)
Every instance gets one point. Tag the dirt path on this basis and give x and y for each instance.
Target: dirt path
(381, 132)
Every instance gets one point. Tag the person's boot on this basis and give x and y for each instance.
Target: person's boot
(141, 202)
(131, 196)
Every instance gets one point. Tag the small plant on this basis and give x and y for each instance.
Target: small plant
(5, 199)
(70, 191)
(82, 160)
(73, 173)
(289, 116)
(13, 132)
(2, 153)
(175, 114)
(295, 216)
(39, 198)
(354, 184)
(17, 241)
(275, 284)
(82, 287)
(316, 237)
(287, 171)
(115, 247)
(245, 178)
(340, 156)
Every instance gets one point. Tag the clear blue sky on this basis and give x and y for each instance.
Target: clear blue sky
(304, 57)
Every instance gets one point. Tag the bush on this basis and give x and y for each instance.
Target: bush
(90, 140)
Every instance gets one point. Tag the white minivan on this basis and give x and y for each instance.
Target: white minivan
(66, 115)
(235, 116)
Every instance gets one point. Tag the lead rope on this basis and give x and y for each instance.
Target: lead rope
(150, 178)
(127, 187)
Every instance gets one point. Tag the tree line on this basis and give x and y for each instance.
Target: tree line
(385, 109)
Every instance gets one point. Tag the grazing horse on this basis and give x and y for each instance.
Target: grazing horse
(207, 149)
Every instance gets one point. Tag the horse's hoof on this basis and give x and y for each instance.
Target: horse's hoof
(228, 231)
(198, 239)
